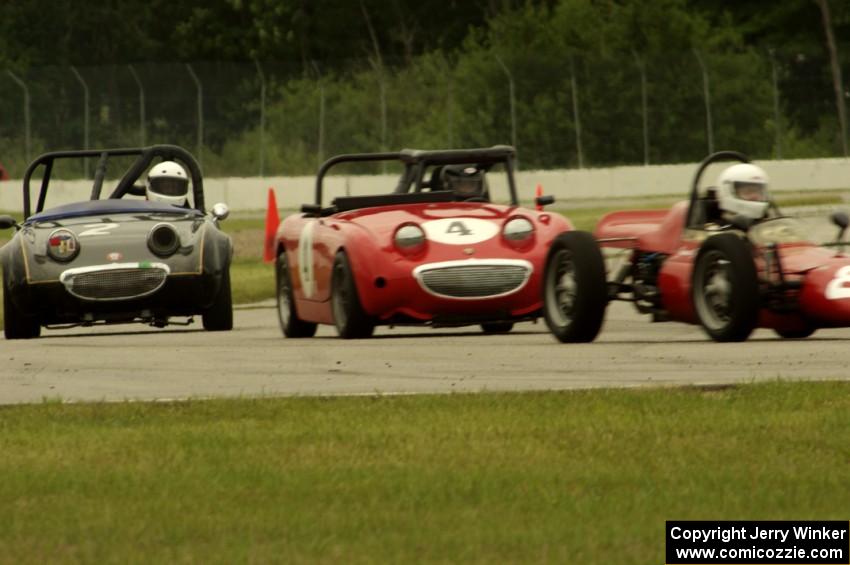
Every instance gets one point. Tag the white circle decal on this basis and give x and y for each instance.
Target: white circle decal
(305, 260)
(460, 231)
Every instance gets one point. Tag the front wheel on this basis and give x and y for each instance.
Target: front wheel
(290, 324)
(575, 292)
(724, 288)
(17, 324)
(219, 316)
(350, 319)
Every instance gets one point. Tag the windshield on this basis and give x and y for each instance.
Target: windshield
(778, 230)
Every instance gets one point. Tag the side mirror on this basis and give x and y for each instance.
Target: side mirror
(7, 222)
(741, 222)
(311, 209)
(841, 220)
(220, 211)
(544, 200)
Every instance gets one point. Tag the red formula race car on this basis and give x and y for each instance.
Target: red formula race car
(436, 251)
(729, 260)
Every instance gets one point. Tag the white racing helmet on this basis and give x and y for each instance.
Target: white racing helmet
(742, 189)
(168, 183)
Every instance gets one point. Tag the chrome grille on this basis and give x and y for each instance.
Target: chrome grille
(474, 281)
(116, 284)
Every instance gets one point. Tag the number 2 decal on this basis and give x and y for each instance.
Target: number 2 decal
(97, 229)
(837, 287)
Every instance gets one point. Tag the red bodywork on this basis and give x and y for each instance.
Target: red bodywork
(822, 299)
(384, 275)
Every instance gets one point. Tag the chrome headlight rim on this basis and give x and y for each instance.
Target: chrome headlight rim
(160, 249)
(74, 246)
(409, 238)
(518, 230)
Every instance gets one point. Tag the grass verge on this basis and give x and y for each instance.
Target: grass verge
(577, 477)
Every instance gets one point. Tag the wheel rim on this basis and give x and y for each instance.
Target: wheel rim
(561, 288)
(283, 293)
(340, 296)
(714, 291)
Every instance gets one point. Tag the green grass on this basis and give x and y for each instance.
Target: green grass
(579, 477)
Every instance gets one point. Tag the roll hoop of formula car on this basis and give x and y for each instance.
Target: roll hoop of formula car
(728, 268)
(438, 251)
(147, 258)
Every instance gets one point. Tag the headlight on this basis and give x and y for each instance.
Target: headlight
(517, 229)
(409, 238)
(163, 240)
(62, 245)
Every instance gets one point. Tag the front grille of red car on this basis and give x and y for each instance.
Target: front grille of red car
(116, 284)
(474, 281)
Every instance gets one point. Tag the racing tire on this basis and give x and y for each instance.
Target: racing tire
(575, 292)
(350, 319)
(219, 316)
(725, 288)
(17, 324)
(796, 333)
(290, 324)
(497, 327)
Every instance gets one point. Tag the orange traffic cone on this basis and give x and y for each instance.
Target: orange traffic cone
(538, 192)
(272, 222)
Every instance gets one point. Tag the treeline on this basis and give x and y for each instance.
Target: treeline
(595, 82)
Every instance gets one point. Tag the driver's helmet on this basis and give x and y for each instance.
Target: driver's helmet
(464, 180)
(742, 189)
(167, 183)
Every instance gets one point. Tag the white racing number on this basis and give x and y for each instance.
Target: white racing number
(97, 229)
(837, 287)
(460, 231)
(305, 260)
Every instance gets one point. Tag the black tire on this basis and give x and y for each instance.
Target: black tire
(797, 333)
(349, 318)
(219, 316)
(290, 324)
(497, 327)
(725, 288)
(575, 293)
(17, 324)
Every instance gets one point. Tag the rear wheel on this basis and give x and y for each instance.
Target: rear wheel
(350, 319)
(17, 323)
(219, 316)
(724, 288)
(796, 333)
(575, 292)
(497, 327)
(290, 324)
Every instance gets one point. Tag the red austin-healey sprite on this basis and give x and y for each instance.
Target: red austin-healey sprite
(436, 251)
(728, 260)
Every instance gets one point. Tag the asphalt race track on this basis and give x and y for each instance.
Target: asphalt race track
(133, 362)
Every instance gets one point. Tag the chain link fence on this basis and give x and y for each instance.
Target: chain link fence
(264, 118)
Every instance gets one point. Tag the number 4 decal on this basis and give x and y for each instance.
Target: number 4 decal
(97, 229)
(458, 228)
(837, 287)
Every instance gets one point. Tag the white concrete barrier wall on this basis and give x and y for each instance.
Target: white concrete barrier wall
(606, 184)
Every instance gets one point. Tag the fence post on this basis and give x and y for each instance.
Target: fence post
(200, 90)
(450, 118)
(85, 118)
(262, 116)
(27, 137)
(320, 142)
(707, 96)
(644, 111)
(142, 135)
(512, 105)
(576, 116)
(777, 125)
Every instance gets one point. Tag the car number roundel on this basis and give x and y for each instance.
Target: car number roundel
(305, 260)
(459, 231)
